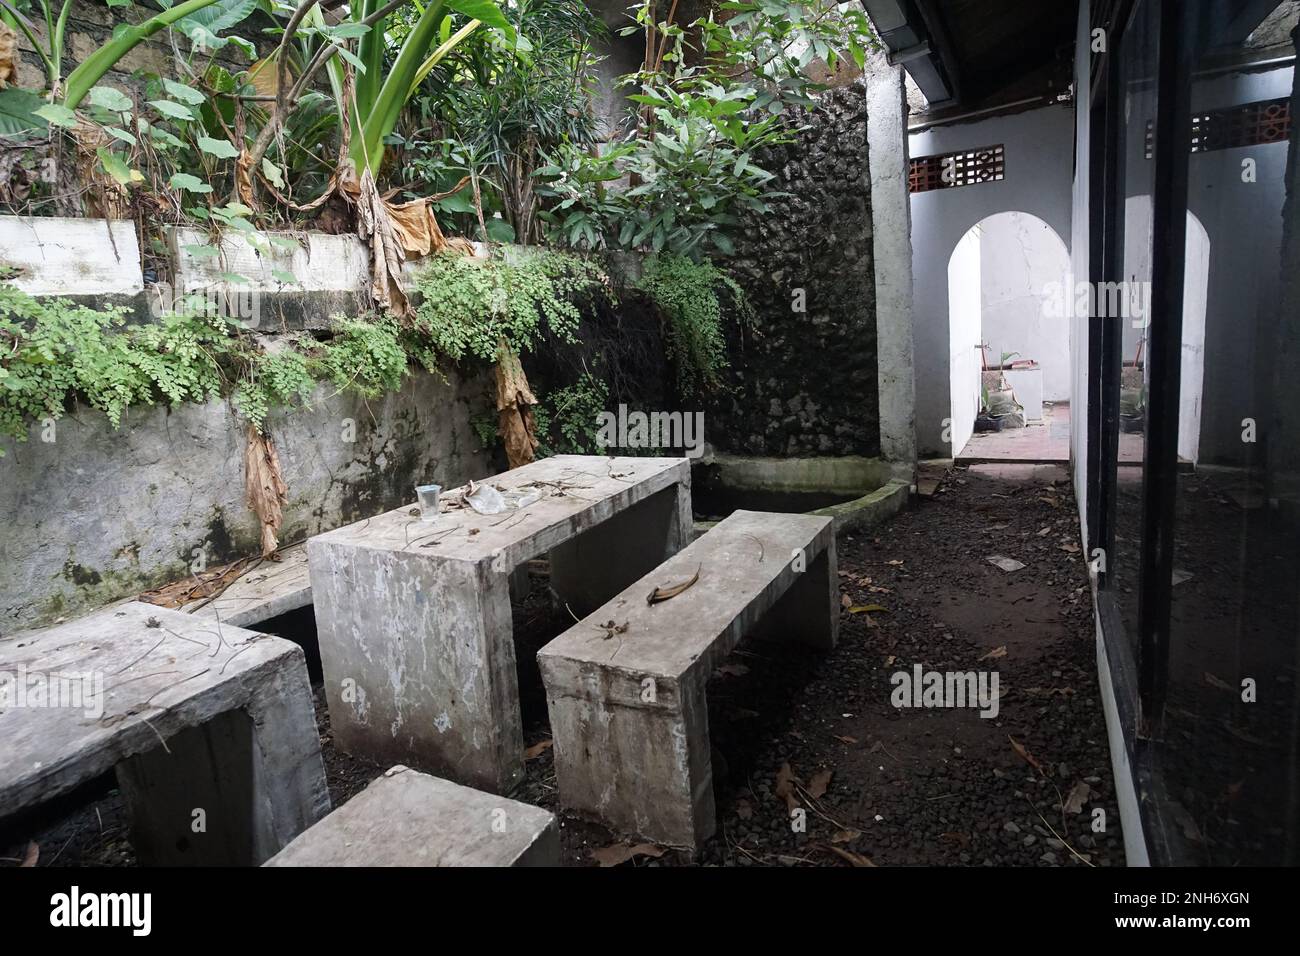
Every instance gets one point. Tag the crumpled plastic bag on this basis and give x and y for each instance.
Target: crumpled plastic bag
(487, 500)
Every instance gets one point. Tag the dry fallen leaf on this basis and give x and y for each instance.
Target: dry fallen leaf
(1000, 651)
(8, 56)
(1025, 755)
(1077, 798)
(785, 787)
(868, 609)
(845, 836)
(665, 594)
(845, 740)
(515, 400)
(846, 601)
(820, 783)
(264, 487)
(536, 750)
(32, 855)
(619, 853)
(854, 859)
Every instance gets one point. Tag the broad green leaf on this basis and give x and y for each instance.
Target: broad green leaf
(220, 148)
(163, 136)
(58, 115)
(204, 26)
(498, 230)
(272, 173)
(284, 276)
(353, 59)
(186, 94)
(486, 11)
(347, 31)
(456, 202)
(123, 174)
(202, 252)
(173, 110)
(120, 134)
(110, 99)
(191, 184)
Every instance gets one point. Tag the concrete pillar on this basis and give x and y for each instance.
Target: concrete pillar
(891, 227)
(235, 789)
(419, 662)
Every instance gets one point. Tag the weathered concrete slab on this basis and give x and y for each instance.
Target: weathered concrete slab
(194, 717)
(406, 818)
(58, 256)
(268, 590)
(414, 617)
(627, 704)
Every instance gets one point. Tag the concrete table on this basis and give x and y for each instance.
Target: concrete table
(414, 618)
(406, 818)
(210, 729)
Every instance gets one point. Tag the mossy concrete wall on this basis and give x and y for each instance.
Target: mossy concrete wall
(92, 514)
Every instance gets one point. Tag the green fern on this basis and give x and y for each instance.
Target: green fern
(690, 296)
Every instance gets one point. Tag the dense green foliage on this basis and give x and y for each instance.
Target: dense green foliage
(710, 96)
(494, 105)
(471, 306)
(56, 352)
(568, 419)
(694, 298)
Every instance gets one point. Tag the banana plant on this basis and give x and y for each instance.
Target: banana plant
(92, 69)
(379, 97)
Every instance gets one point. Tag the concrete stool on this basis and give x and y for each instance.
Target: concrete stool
(407, 818)
(210, 729)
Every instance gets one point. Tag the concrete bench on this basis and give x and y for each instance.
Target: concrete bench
(211, 730)
(406, 818)
(269, 589)
(626, 686)
(414, 619)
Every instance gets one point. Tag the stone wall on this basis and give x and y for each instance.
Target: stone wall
(99, 514)
(804, 381)
(90, 26)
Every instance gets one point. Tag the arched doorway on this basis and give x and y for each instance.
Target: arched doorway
(1008, 303)
(1196, 278)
